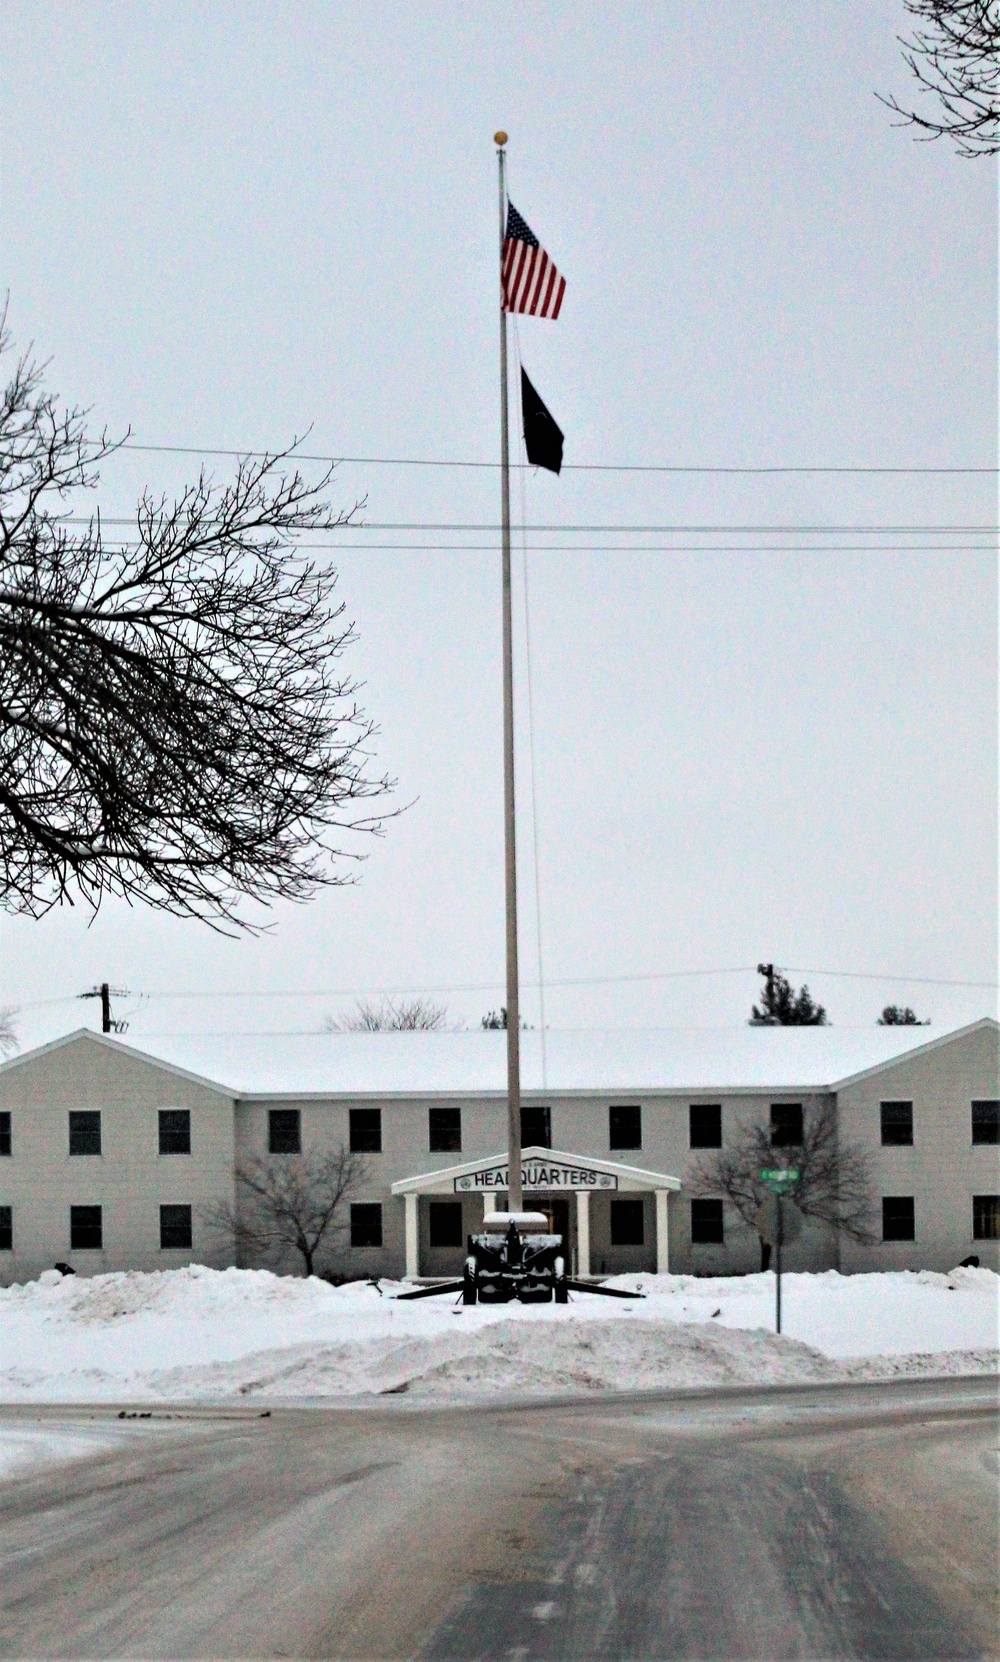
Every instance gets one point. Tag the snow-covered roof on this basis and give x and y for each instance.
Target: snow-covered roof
(694, 1061)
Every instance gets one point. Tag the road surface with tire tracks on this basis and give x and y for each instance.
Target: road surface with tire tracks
(812, 1522)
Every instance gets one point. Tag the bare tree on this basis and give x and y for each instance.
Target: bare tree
(495, 1021)
(900, 1015)
(8, 1030)
(404, 1015)
(833, 1186)
(780, 1006)
(288, 1201)
(955, 56)
(174, 722)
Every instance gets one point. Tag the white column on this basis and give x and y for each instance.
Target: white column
(489, 1202)
(411, 1236)
(582, 1232)
(662, 1233)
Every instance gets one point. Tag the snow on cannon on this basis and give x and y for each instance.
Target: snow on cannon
(516, 1257)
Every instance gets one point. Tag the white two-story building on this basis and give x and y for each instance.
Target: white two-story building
(113, 1157)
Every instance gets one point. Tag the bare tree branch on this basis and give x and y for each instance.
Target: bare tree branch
(288, 1201)
(404, 1015)
(834, 1185)
(8, 1030)
(174, 722)
(955, 57)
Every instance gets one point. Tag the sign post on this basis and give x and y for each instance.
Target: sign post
(778, 1223)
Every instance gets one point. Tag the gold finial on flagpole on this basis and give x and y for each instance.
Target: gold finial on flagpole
(500, 138)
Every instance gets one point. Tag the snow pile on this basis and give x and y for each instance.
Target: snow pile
(208, 1335)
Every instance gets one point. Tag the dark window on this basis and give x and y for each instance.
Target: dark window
(85, 1131)
(366, 1225)
(986, 1122)
(786, 1125)
(706, 1221)
(897, 1218)
(5, 1132)
(6, 1229)
(445, 1130)
(446, 1223)
(897, 1123)
(706, 1125)
(284, 1131)
(86, 1231)
(175, 1227)
(985, 1217)
(536, 1127)
(175, 1131)
(366, 1134)
(624, 1127)
(626, 1223)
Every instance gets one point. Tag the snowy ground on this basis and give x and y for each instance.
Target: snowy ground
(24, 1447)
(207, 1335)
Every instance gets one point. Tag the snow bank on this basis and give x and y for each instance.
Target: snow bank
(197, 1334)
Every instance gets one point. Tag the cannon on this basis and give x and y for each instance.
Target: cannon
(515, 1257)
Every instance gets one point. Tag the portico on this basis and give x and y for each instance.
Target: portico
(548, 1176)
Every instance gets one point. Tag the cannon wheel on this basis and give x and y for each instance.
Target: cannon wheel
(562, 1291)
(468, 1288)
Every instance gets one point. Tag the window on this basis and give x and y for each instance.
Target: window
(897, 1218)
(366, 1131)
(86, 1228)
(536, 1127)
(284, 1131)
(897, 1124)
(446, 1223)
(624, 1128)
(985, 1217)
(85, 1132)
(626, 1223)
(706, 1222)
(986, 1122)
(706, 1125)
(6, 1229)
(5, 1132)
(366, 1224)
(786, 1125)
(175, 1131)
(175, 1228)
(445, 1130)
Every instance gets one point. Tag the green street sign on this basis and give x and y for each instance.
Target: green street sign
(779, 1179)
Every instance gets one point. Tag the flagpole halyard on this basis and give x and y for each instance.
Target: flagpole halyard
(515, 1198)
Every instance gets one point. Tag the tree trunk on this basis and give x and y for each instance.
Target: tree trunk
(765, 1255)
(307, 1254)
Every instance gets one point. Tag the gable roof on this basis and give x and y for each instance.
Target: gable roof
(696, 1062)
(86, 1035)
(442, 1180)
(986, 1023)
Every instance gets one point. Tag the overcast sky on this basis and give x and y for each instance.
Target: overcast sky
(223, 224)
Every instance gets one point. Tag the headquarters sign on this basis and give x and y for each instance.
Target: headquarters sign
(541, 1176)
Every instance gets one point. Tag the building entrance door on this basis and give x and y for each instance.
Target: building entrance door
(556, 1209)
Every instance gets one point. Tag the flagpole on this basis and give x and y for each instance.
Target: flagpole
(514, 1196)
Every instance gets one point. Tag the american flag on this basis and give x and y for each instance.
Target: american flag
(528, 279)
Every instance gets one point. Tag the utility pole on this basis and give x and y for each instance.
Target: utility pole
(515, 1199)
(105, 992)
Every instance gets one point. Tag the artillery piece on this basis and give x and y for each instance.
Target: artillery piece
(515, 1257)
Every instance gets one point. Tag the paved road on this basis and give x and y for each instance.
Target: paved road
(816, 1523)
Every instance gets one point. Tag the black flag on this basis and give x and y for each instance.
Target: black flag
(543, 440)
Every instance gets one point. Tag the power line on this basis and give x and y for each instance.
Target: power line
(647, 548)
(633, 530)
(568, 467)
(397, 989)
